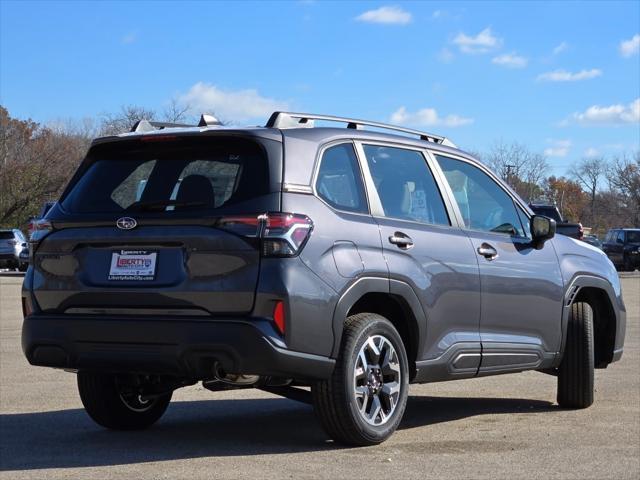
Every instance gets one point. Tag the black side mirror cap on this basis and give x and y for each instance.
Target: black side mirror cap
(542, 229)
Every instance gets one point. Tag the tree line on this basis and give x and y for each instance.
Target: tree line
(37, 161)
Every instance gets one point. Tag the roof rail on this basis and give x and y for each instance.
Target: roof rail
(305, 120)
(206, 120)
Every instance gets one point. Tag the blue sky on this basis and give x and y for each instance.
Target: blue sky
(561, 77)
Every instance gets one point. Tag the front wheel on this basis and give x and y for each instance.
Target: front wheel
(114, 405)
(364, 400)
(575, 375)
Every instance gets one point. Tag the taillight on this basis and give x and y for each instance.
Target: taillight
(39, 229)
(27, 307)
(278, 316)
(281, 234)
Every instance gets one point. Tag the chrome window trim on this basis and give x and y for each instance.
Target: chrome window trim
(316, 169)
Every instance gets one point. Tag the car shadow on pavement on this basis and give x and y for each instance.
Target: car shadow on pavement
(216, 428)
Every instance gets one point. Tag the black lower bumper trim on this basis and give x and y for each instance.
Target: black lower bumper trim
(176, 346)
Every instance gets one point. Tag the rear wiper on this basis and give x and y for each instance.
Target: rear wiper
(160, 204)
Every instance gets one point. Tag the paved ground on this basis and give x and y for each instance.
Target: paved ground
(500, 427)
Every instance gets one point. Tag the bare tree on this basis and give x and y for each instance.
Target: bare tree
(36, 165)
(588, 173)
(624, 179)
(115, 123)
(521, 168)
(176, 112)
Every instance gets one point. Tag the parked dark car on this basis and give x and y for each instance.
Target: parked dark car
(12, 248)
(351, 261)
(573, 230)
(592, 240)
(622, 246)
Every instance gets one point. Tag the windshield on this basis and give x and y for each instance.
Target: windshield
(187, 174)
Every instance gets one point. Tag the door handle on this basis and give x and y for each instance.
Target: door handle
(487, 251)
(401, 240)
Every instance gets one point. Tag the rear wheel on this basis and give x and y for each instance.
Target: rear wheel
(575, 375)
(114, 405)
(364, 400)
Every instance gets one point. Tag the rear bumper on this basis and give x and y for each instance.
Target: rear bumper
(173, 346)
(8, 258)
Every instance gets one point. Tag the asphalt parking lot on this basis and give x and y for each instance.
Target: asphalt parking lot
(494, 427)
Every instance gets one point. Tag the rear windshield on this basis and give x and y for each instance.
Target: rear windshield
(6, 235)
(185, 174)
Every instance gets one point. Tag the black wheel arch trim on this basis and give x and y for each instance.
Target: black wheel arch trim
(365, 285)
(579, 282)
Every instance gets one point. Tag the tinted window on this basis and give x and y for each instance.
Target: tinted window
(6, 235)
(621, 236)
(405, 185)
(633, 236)
(339, 181)
(192, 174)
(483, 203)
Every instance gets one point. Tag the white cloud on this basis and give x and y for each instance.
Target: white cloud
(483, 42)
(630, 47)
(230, 105)
(608, 115)
(560, 48)
(130, 37)
(428, 117)
(558, 148)
(564, 76)
(386, 15)
(510, 60)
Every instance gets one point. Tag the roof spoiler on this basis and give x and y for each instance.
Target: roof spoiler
(142, 126)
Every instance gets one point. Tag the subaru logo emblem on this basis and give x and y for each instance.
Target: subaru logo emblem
(126, 223)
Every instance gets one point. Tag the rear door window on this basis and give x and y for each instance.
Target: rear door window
(189, 175)
(405, 185)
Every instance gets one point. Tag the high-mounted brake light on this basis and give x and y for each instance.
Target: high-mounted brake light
(282, 234)
(278, 316)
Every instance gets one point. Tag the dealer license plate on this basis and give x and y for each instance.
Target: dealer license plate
(133, 265)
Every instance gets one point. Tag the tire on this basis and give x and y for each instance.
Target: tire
(23, 267)
(628, 266)
(346, 403)
(108, 406)
(575, 375)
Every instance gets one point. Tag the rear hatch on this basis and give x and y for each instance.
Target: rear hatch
(140, 229)
(7, 242)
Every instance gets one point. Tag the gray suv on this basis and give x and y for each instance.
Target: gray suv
(14, 251)
(350, 261)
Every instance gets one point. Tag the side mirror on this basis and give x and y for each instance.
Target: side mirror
(620, 241)
(542, 229)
